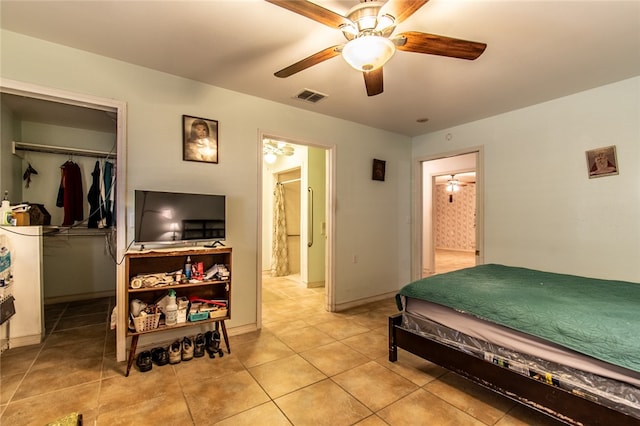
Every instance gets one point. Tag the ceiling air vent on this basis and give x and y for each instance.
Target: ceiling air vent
(310, 96)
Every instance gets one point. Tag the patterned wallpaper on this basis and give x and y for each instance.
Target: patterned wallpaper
(455, 223)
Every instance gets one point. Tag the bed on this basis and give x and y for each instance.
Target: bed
(565, 345)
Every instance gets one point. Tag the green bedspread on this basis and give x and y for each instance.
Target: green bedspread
(599, 318)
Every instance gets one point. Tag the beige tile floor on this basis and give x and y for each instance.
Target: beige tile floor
(305, 367)
(452, 260)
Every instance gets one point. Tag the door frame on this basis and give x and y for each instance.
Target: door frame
(120, 107)
(418, 248)
(330, 212)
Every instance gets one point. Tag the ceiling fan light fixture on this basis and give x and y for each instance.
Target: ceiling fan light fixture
(271, 149)
(367, 23)
(368, 52)
(453, 187)
(270, 158)
(384, 22)
(350, 31)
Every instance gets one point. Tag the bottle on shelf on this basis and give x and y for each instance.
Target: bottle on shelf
(5, 210)
(187, 268)
(171, 311)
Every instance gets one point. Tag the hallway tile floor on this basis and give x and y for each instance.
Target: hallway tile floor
(305, 367)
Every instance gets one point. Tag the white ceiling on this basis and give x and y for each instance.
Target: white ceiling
(465, 177)
(537, 51)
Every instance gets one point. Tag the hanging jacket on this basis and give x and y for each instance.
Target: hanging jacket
(109, 189)
(94, 197)
(70, 193)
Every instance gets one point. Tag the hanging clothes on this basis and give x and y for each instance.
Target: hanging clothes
(70, 193)
(280, 249)
(109, 196)
(27, 175)
(96, 202)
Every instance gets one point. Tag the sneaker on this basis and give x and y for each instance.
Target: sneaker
(175, 352)
(213, 343)
(199, 344)
(144, 361)
(160, 356)
(187, 349)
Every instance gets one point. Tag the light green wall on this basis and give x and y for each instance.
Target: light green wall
(6, 136)
(10, 175)
(371, 217)
(541, 209)
(316, 253)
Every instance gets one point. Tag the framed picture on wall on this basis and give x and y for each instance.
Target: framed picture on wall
(378, 169)
(199, 139)
(602, 162)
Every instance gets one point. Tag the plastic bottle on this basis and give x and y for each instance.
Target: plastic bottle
(5, 210)
(187, 268)
(171, 311)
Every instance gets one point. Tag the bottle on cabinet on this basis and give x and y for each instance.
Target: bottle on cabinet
(171, 311)
(187, 268)
(5, 210)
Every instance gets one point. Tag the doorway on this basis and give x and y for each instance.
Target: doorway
(454, 220)
(296, 222)
(91, 105)
(451, 211)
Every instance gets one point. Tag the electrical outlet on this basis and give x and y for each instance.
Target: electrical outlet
(355, 258)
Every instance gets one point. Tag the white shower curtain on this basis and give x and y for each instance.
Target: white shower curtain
(279, 249)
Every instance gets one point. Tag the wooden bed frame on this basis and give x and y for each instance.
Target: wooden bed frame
(549, 399)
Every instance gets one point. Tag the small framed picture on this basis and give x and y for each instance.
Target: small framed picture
(199, 139)
(602, 162)
(378, 169)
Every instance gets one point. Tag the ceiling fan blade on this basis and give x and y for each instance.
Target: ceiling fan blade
(401, 9)
(310, 61)
(373, 81)
(438, 45)
(314, 12)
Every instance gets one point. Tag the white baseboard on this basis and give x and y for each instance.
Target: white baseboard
(348, 305)
(315, 284)
(78, 297)
(16, 342)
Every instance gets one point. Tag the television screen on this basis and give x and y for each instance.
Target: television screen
(173, 217)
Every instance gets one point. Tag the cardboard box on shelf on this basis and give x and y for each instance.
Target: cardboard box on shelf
(182, 315)
(22, 218)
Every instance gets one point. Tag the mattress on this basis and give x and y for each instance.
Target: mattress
(420, 317)
(592, 317)
(503, 337)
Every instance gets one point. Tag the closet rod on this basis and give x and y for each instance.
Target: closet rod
(289, 181)
(25, 146)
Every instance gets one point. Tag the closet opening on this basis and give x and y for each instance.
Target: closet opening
(61, 156)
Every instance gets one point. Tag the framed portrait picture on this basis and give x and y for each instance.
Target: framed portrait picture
(602, 162)
(378, 169)
(199, 139)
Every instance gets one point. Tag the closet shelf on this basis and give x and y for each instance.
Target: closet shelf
(25, 146)
(61, 231)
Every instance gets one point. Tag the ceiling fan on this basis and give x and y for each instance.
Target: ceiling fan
(454, 185)
(368, 28)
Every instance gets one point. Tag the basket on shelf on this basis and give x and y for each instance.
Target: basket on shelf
(146, 322)
(198, 316)
(222, 312)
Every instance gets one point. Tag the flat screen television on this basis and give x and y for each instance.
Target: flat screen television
(177, 217)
